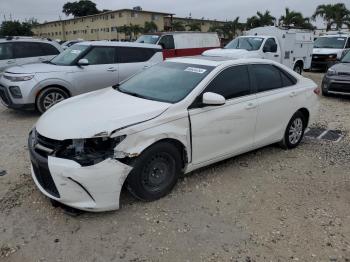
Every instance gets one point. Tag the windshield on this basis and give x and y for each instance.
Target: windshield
(330, 42)
(148, 39)
(166, 82)
(68, 56)
(346, 58)
(247, 43)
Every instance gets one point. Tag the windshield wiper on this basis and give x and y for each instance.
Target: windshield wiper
(117, 87)
(48, 62)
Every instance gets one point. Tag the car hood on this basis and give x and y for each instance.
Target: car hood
(327, 51)
(342, 67)
(231, 53)
(97, 113)
(36, 68)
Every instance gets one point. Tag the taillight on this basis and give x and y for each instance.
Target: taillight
(317, 91)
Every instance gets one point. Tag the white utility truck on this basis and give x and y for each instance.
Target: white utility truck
(291, 47)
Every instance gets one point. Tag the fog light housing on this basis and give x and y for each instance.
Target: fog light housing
(15, 91)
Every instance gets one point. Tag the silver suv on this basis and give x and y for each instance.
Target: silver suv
(25, 50)
(83, 67)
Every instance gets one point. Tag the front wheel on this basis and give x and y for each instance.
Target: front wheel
(298, 69)
(155, 172)
(50, 97)
(294, 132)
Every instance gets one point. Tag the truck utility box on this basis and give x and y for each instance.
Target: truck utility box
(291, 47)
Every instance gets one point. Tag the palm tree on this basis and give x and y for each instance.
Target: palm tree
(178, 26)
(266, 18)
(336, 14)
(260, 19)
(126, 30)
(194, 26)
(292, 18)
(230, 28)
(150, 27)
(136, 30)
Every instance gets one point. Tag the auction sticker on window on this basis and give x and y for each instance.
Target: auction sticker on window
(195, 70)
(76, 52)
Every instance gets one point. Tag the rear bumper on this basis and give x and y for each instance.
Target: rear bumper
(94, 188)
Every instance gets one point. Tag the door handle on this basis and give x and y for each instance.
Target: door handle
(10, 62)
(250, 106)
(111, 69)
(42, 59)
(276, 55)
(293, 94)
(146, 66)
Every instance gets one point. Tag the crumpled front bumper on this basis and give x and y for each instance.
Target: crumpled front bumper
(93, 188)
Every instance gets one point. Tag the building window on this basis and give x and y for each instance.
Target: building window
(114, 29)
(112, 16)
(120, 14)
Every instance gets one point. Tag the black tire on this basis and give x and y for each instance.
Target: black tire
(155, 172)
(288, 142)
(50, 93)
(325, 92)
(298, 68)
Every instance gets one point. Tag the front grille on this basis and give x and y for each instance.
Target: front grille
(340, 87)
(320, 58)
(344, 73)
(43, 176)
(4, 97)
(46, 143)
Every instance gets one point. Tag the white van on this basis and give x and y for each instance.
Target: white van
(177, 44)
(291, 47)
(329, 49)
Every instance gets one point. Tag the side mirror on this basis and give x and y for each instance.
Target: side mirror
(83, 62)
(212, 99)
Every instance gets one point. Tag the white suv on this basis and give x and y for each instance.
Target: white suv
(84, 67)
(25, 50)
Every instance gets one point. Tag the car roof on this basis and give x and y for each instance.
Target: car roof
(117, 43)
(336, 35)
(26, 39)
(216, 61)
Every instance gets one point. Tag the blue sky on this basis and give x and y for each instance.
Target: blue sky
(46, 10)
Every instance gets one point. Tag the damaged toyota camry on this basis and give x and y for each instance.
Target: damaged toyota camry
(170, 119)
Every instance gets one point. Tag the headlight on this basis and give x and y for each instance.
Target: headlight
(88, 152)
(19, 78)
(331, 72)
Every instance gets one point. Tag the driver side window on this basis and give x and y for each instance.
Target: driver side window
(101, 55)
(231, 83)
(270, 45)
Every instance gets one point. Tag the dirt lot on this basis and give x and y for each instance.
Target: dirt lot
(268, 205)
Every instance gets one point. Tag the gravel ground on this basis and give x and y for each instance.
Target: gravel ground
(267, 205)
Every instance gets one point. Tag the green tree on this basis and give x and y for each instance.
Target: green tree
(178, 26)
(16, 28)
(194, 26)
(136, 30)
(336, 14)
(292, 18)
(150, 27)
(230, 28)
(80, 8)
(260, 19)
(126, 30)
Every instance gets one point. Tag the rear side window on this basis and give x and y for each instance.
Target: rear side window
(101, 55)
(27, 49)
(348, 43)
(231, 83)
(6, 51)
(134, 54)
(167, 42)
(48, 49)
(269, 77)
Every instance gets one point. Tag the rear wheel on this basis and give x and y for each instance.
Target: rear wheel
(155, 172)
(49, 97)
(294, 132)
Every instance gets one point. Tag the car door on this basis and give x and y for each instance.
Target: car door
(132, 60)
(26, 52)
(221, 131)
(7, 58)
(271, 50)
(101, 72)
(277, 96)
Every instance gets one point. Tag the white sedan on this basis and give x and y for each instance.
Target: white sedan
(172, 118)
